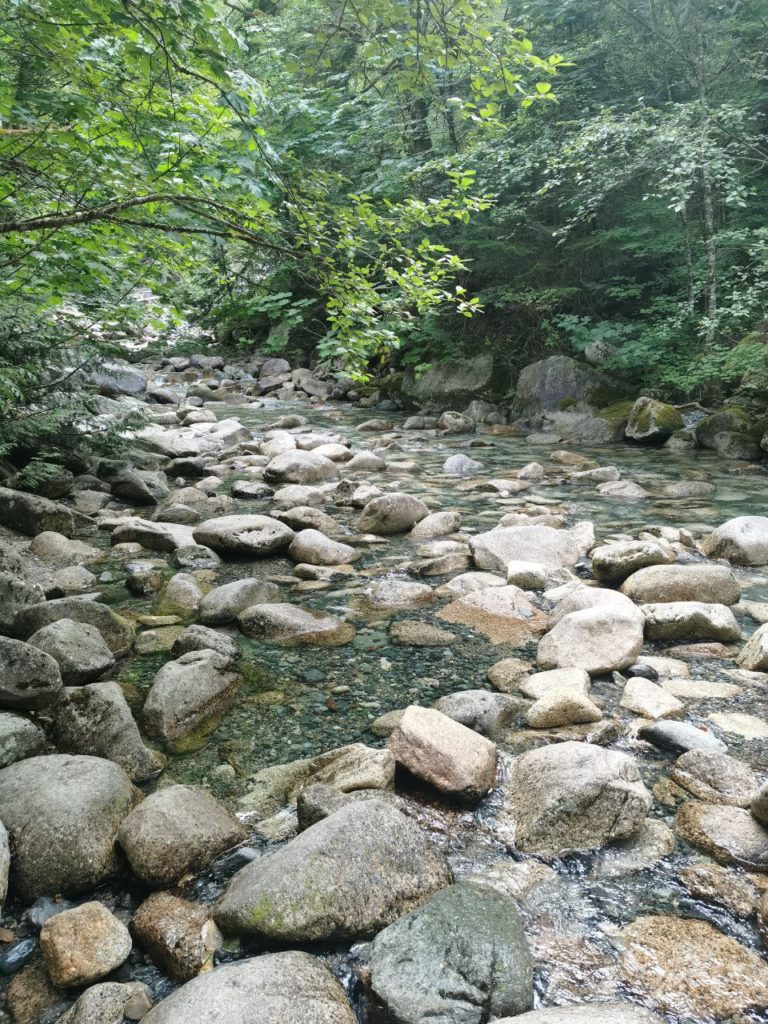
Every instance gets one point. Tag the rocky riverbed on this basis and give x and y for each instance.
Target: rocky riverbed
(318, 714)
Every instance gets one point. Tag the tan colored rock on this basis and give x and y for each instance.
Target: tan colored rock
(178, 936)
(506, 674)
(650, 700)
(562, 707)
(714, 777)
(84, 944)
(690, 970)
(541, 683)
(723, 887)
(411, 633)
(503, 614)
(599, 640)
(729, 834)
(444, 753)
(690, 620)
(754, 654)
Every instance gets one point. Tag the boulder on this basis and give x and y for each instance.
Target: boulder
(729, 834)
(759, 804)
(19, 739)
(257, 536)
(116, 631)
(732, 420)
(713, 584)
(599, 640)
(754, 654)
(436, 524)
(30, 679)
(188, 698)
(178, 936)
(587, 1013)
(689, 970)
(139, 486)
(95, 719)
(195, 556)
(223, 604)
(715, 777)
(16, 593)
(444, 753)
(452, 422)
(527, 575)
(79, 650)
(690, 620)
(555, 383)
(461, 956)
(300, 467)
(180, 596)
(650, 700)
(314, 548)
(392, 513)
(62, 814)
(558, 707)
(177, 831)
(461, 465)
(503, 614)
(394, 594)
(153, 535)
(410, 632)
(288, 625)
(732, 445)
(743, 541)
(346, 877)
(652, 422)
(278, 988)
(109, 1003)
(575, 796)
(577, 597)
(680, 737)
(203, 638)
(553, 549)
(451, 383)
(485, 712)
(612, 563)
(84, 944)
(116, 378)
(542, 683)
(31, 514)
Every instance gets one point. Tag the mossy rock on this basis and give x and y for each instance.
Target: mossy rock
(567, 403)
(652, 422)
(731, 419)
(729, 444)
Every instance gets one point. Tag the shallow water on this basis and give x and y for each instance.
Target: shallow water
(300, 702)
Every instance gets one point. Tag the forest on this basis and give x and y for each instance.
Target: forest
(382, 186)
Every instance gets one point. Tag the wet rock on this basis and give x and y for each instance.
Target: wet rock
(487, 713)
(562, 707)
(690, 620)
(176, 831)
(224, 604)
(587, 1013)
(110, 1003)
(257, 536)
(117, 631)
(738, 723)
(117, 378)
(506, 674)
(62, 814)
(642, 850)
(729, 834)
(392, 513)
(394, 594)
(346, 769)
(410, 633)
(59, 551)
(84, 944)
(553, 549)
(139, 487)
(195, 556)
(575, 796)
(729, 444)
(650, 700)
(153, 535)
(713, 584)
(754, 655)
(158, 640)
(16, 593)
(452, 422)
(599, 640)
(180, 596)
(368, 861)
(436, 524)
(203, 638)
(442, 752)
(365, 462)
(30, 679)
(527, 575)
(315, 548)
(300, 467)
(30, 995)
(30, 514)
(540, 684)
(652, 422)
(305, 517)
(95, 719)
(503, 614)
(288, 625)
(78, 648)
(461, 465)
(743, 541)
(759, 804)
(680, 737)
(613, 563)
(689, 969)
(461, 956)
(178, 936)
(19, 738)
(188, 698)
(278, 988)
(722, 887)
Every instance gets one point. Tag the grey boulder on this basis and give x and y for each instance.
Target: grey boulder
(392, 513)
(257, 536)
(224, 603)
(78, 648)
(461, 957)
(743, 541)
(30, 679)
(19, 739)
(346, 877)
(117, 631)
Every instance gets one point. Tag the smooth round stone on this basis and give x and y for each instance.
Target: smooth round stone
(562, 707)
(740, 724)
(679, 737)
(729, 834)
(650, 700)
(714, 777)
